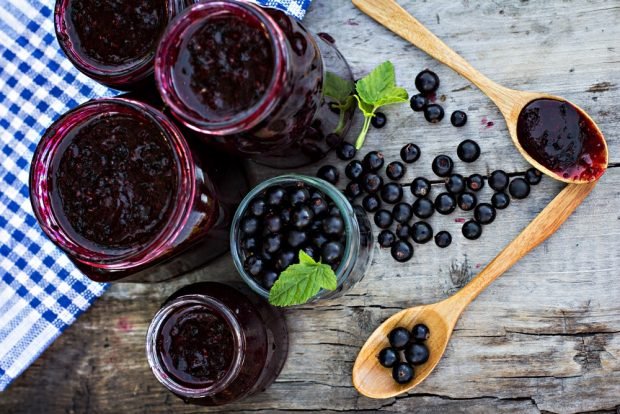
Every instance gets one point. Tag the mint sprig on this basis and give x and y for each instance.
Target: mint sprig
(375, 90)
(300, 282)
(372, 92)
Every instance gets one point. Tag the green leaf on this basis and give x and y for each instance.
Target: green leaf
(377, 83)
(367, 109)
(337, 88)
(300, 282)
(393, 96)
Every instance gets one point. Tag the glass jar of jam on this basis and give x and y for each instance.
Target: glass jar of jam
(112, 41)
(210, 344)
(115, 185)
(353, 232)
(251, 80)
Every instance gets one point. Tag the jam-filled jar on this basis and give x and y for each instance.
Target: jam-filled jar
(252, 80)
(115, 184)
(114, 41)
(210, 344)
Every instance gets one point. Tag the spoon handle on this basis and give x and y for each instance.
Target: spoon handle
(539, 230)
(394, 17)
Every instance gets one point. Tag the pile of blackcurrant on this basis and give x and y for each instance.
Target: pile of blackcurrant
(407, 349)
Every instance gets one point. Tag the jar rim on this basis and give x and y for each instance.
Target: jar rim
(352, 229)
(222, 311)
(167, 54)
(116, 75)
(41, 187)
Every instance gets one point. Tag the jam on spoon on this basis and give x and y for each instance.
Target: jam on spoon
(562, 139)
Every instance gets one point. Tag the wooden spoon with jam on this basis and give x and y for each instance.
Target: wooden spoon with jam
(554, 135)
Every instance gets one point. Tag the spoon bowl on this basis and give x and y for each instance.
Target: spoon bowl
(510, 102)
(375, 381)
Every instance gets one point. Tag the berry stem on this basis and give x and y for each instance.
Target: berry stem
(362, 137)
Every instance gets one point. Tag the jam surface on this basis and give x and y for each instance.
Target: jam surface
(117, 32)
(196, 346)
(561, 138)
(116, 180)
(224, 67)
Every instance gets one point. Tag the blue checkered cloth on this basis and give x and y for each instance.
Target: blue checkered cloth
(41, 292)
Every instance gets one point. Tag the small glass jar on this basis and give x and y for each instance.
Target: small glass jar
(251, 80)
(114, 42)
(358, 248)
(115, 185)
(210, 344)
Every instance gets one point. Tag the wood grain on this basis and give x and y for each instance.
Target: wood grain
(544, 337)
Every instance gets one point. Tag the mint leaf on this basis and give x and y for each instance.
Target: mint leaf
(377, 83)
(375, 90)
(300, 282)
(337, 88)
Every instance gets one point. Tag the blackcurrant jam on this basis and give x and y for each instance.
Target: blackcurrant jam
(563, 139)
(115, 184)
(114, 41)
(211, 344)
(251, 80)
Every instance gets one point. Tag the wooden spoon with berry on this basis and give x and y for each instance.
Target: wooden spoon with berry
(374, 380)
(554, 135)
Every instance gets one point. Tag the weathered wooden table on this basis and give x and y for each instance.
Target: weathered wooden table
(544, 337)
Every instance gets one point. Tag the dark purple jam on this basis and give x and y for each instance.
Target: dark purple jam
(116, 180)
(117, 32)
(224, 67)
(196, 347)
(562, 139)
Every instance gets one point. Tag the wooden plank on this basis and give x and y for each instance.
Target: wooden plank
(544, 337)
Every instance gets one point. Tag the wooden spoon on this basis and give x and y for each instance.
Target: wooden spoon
(373, 380)
(509, 101)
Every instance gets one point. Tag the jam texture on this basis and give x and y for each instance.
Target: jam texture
(116, 179)
(562, 139)
(227, 64)
(196, 346)
(117, 32)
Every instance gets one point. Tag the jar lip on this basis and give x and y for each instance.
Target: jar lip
(41, 186)
(221, 310)
(168, 51)
(352, 248)
(117, 75)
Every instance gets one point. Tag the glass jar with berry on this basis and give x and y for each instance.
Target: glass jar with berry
(253, 80)
(290, 214)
